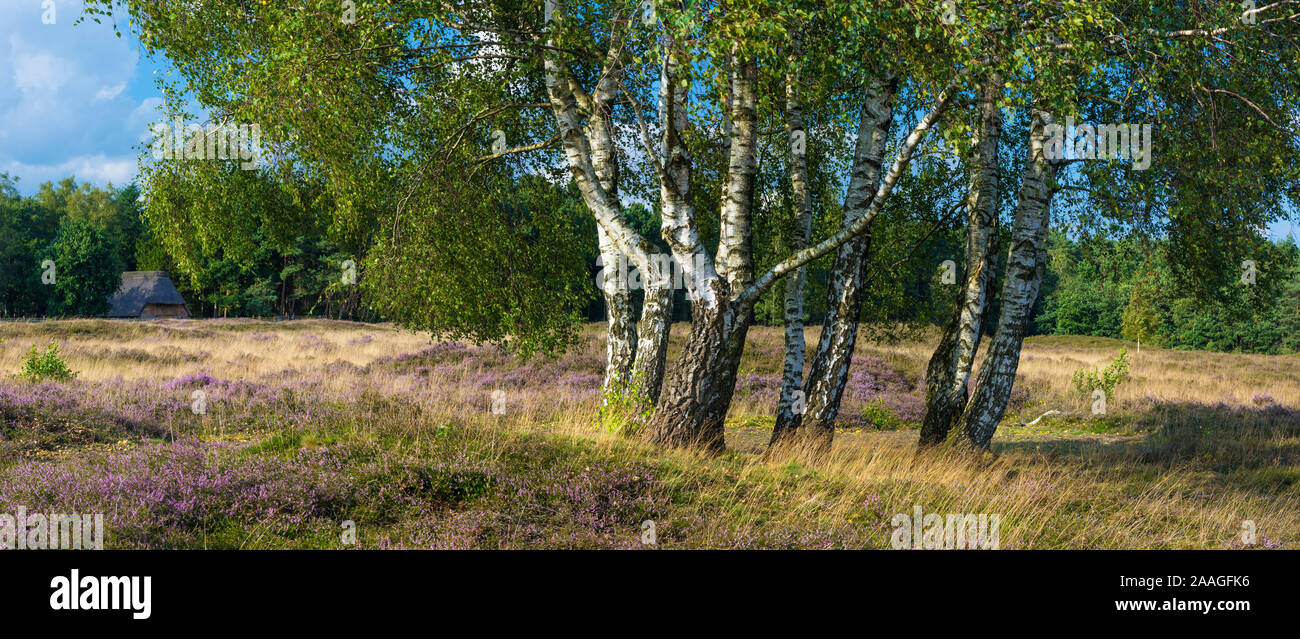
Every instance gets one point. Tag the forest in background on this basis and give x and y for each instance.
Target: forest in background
(1094, 285)
(94, 234)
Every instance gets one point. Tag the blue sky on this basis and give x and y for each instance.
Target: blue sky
(76, 99)
(73, 99)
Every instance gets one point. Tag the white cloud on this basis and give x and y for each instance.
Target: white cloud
(97, 169)
(74, 98)
(144, 116)
(39, 73)
(108, 93)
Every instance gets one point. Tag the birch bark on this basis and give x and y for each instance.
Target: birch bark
(948, 372)
(699, 387)
(1026, 264)
(635, 355)
(813, 431)
(692, 410)
(621, 329)
(789, 405)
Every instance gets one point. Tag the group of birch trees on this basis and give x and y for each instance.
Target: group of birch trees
(708, 110)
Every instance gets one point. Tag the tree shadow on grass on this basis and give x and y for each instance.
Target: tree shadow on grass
(1252, 447)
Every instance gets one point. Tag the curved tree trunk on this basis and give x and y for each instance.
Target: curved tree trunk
(699, 387)
(813, 431)
(1025, 267)
(620, 332)
(634, 354)
(948, 372)
(692, 410)
(735, 257)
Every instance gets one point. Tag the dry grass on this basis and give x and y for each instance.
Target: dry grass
(1186, 456)
(231, 348)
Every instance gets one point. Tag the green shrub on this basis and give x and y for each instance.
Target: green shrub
(876, 414)
(38, 366)
(624, 412)
(1085, 381)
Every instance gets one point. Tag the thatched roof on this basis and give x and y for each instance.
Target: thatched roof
(140, 288)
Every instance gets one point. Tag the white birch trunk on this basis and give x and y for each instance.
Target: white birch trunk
(813, 431)
(592, 159)
(1026, 264)
(698, 389)
(736, 235)
(789, 405)
(949, 369)
(654, 330)
(621, 329)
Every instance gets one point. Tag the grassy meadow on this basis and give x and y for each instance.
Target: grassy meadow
(308, 424)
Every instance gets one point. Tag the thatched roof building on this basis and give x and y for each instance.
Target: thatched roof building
(146, 294)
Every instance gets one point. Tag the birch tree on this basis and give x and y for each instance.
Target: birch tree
(981, 42)
(1026, 264)
(635, 355)
(826, 379)
(722, 287)
(1140, 43)
(790, 402)
(949, 369)
(396, 107)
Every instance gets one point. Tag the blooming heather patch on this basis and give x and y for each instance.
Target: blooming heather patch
(862, 386)
(197, 380)
(758, 386)
(871, 376)
(208, 494)
(50, 417)
(873, 387)
(47, 394)
(37, 418)
(316, 342)
(225, 388)
(581, 386)
(905, 407)
(410, 447)
(1019, 398)
(437, 353)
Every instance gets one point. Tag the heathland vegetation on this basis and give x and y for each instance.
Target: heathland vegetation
(309, 424)
(848, 258)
